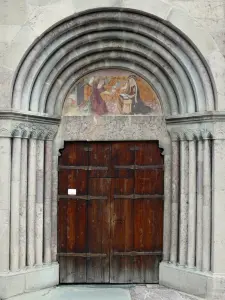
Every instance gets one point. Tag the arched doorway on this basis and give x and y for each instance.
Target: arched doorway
(110, 201)
(166, 59)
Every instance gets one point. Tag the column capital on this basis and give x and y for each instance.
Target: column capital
(190, 133)
(204, 125)
(25, 125)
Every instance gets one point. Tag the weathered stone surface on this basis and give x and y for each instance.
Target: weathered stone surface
(155, 292)
(114, 128)
(28, 280)
(149, 292)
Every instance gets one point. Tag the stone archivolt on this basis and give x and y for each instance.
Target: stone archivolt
(97, 40)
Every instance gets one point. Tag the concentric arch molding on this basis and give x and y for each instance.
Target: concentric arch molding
(113, 38)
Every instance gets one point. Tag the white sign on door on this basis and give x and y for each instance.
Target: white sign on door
(72, 191)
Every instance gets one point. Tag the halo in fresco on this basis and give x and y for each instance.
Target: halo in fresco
(111, 92)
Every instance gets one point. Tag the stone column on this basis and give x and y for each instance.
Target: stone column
(31, 203)
(5, 175)
(192, 204)
(183, 234)
(175, 200)
(15, 204)
(218, 208)
(48, 201)
(199, 205)
(167, 207)
(23, 204)
(39, 203)
(206, 253)
(54, 202)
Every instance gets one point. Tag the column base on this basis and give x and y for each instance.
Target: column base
(29, 279)
(205, 285)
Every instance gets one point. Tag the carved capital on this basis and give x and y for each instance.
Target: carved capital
(24, 125)
(206, 134)
(35, 131)
(190, 133)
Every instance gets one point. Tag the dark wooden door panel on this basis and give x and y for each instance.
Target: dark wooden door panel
(149, 182)
(111, 230)
(62, 226)
(72, 179)
(72, 269)
(147, 231)
(98, 230)
(74, 154)
(123, 155)
(100, 160)
(122, 225)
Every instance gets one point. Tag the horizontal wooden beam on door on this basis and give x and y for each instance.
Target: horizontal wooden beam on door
(140, 167)
(137, 253)
(83, 197)
(88, 198)
(135, 196)
(70, 254)
(86, 168)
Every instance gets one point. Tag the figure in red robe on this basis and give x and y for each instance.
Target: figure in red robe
(98, 105)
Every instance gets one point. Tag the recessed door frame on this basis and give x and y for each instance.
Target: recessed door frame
(152, 128)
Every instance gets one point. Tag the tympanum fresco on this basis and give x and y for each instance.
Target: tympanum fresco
(111, 92)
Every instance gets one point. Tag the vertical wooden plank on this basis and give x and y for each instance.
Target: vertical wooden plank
(98, 230)
(70, 270)
(123, 158)
(62, 226)
(148, 153)
(76, 241)
(100, 157)
(71, 230)
(62, 269)
(122, 240)
(148, 212)
(139, 269)
(74, 218)
(151, 274)
(149, 182)
(72, 179)
(79, 266)
(62, 237)
(148, 236)
(121, 214)
(74, 154)
(122, 155)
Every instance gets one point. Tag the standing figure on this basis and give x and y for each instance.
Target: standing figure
(98, 105)
(131, 90)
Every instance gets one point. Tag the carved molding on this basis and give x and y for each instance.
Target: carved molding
(203, 117)
(197, 126)
(187, 127)
(16, 124)
(187, 134)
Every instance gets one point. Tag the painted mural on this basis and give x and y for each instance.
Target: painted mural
(111, 92)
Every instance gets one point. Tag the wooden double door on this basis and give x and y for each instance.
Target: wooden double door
(110, 230)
